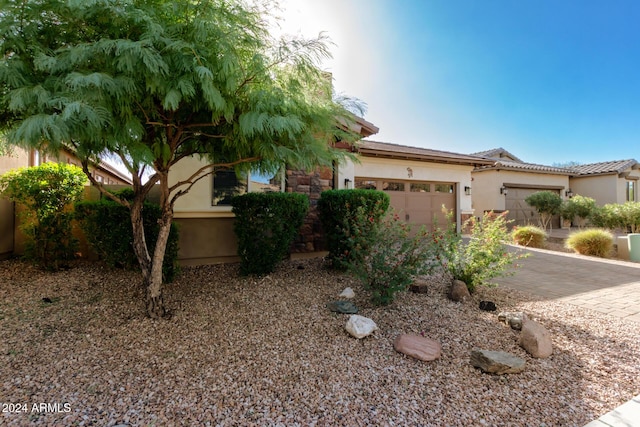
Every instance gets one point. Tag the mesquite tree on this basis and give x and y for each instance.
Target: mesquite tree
(154, 82)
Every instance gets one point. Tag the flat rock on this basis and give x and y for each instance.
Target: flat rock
(345, 307)
(536, 339)
(514, 319)
(418, 347)
(458, 291)
(497, 362)
(360, 326)
(347, 293)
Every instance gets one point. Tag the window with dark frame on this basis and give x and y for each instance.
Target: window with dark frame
(226, 185)
(631, 191)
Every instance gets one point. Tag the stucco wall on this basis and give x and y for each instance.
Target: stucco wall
(375, 167)
(602, 188)
(486, 186)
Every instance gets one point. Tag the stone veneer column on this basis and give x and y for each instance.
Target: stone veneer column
(310, 238)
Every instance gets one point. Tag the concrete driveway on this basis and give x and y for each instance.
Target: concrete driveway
(607, 286)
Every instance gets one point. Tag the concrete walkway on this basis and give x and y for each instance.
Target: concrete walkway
(607, 286)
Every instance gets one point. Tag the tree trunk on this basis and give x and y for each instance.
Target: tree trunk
(155, 303)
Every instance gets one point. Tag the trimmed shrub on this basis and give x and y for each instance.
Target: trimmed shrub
(618, 216)
(392, 258)
(107, 227)
(530, 236)
(47, 192)
(594, 242)
(342, 213)
(547, 204)
(578, 207)
(266, 225)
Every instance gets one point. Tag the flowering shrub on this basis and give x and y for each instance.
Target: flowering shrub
(483, 257)
(390, 256)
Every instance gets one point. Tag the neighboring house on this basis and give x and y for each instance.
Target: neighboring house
(508, 181)
(9, 241)
(607, 182)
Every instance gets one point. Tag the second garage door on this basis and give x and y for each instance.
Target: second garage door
(419, 203)
(520, 212)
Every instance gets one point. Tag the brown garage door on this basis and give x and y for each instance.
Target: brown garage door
(520, 212)
(417, 202)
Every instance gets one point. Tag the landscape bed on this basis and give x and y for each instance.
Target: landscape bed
(267, 351)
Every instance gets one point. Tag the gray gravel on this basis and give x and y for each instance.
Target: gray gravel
(266, 351)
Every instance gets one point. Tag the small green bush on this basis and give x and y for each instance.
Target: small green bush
(530, 236)
(593, 242)
(547, 203)
(47, 192)
(341, 212)
(266, 225)
(107, 227)
(578, 207)
(624, 216)
(392, 257)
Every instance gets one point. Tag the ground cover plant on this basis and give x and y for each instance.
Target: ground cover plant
(594, 242)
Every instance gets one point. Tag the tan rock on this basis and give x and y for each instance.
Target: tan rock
(459, 291)
(536, 339)
(418, 347)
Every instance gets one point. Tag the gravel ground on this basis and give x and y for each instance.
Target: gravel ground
(266, 351)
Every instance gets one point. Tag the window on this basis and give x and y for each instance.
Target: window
(444, 188)
(393, 186)
(226, 185)
(364, 184)
(417, 187)
(267, 183)
(631, 191)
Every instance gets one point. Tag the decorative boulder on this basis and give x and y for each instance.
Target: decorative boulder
(536, 340)
(459, 291)
(496, 362)
(418, 347)
(488, 306)
(419, 286)
(360, 326)
(344, 307)
(347, 293)
(514, 319)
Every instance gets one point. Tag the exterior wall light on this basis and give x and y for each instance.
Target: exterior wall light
(347, 183)
(467, 190)
(504, 191)
(568, 193)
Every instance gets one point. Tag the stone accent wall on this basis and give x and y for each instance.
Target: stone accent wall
(312, 184)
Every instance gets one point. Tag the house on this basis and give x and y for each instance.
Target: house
(508, 181)
(607, 182)
(10, 240)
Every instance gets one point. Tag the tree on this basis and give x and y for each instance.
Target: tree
(547, 204)
(46, 191)
(154, 82)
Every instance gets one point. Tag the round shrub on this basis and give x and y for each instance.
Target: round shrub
(594, 242)
(530, 236)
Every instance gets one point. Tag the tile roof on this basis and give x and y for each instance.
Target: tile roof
(531, 167)
(386, 149)
(616, 166)
(496, 153)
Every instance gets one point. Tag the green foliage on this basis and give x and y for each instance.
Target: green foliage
(46, 191)
(342, 213)
(547, 204)
(578, 207)
(483, 257)
(624, 216)
(266, 225)
(391, 256)
(530, 236)
(593, 242)
(107, 228)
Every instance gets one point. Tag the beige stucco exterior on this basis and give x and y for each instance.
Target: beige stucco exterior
(609, 188)
(487, 184)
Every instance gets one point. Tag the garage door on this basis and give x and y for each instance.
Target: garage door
(520, 212)
(417, 202)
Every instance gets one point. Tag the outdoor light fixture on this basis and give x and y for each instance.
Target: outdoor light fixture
(503, 190)
(467, 190)
(347, 183)
(568, 193)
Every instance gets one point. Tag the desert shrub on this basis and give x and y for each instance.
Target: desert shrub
(342, 212)
(547, 205)
(625, 216)
(484, 257)
(47, 192)
(578, 207)
(392, 256)
(594, 242)
(108, 230)
(529, 235)
(266, 225)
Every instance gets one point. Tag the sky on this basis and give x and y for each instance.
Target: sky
(551, 81)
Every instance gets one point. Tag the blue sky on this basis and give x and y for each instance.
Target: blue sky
(550, 81)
